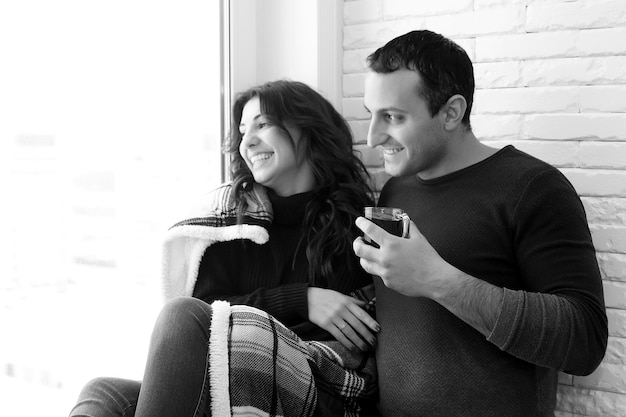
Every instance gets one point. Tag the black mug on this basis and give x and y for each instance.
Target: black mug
(393, 220)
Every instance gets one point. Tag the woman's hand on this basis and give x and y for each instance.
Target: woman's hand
(343, 317)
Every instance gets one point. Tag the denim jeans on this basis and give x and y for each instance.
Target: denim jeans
(176, 378)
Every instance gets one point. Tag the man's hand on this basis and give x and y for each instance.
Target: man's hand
(343, 317)
(410, 266)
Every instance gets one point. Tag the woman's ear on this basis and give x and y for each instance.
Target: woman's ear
(454, 109)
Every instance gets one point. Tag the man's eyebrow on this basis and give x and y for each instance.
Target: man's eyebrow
(387, 109)
(396, 109)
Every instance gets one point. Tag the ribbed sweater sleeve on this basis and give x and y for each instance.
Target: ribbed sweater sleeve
(260, 276)
(558, 320)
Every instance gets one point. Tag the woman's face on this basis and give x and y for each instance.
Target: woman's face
(274, 160)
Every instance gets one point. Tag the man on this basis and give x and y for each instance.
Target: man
(497, 287)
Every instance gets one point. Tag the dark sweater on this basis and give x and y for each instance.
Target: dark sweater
(517, 223)
(274, 276)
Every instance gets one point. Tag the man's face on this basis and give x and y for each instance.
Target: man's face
(412, 141)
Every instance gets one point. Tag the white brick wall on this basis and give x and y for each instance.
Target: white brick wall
(551, 80)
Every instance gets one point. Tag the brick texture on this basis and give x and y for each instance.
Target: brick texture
(551, 80)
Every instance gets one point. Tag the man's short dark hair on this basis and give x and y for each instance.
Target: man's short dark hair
(443, 65)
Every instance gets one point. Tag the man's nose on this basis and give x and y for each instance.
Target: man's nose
(376, 134)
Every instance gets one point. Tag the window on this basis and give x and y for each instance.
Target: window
(111, 125)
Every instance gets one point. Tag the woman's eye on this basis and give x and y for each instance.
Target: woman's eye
(261, 125)
(393, 117)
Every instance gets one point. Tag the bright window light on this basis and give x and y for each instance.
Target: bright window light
(110, 127)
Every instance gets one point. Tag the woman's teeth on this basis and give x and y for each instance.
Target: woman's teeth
(260, 157)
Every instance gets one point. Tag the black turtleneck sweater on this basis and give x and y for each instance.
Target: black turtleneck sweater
(274, 276)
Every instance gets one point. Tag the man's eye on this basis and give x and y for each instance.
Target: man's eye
(393, 117)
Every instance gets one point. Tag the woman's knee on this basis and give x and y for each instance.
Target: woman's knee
(107, 397)
(181, 317)
(96, 386)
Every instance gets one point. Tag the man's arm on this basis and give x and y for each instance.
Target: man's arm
(559, 331)
(472, 300)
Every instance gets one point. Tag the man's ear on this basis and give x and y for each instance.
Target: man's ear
(454, 109)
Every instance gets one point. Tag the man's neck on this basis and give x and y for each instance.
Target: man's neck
(463, 150)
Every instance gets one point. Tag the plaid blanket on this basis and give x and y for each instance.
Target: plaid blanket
(261, 368)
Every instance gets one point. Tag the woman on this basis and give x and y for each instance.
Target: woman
(275, 247)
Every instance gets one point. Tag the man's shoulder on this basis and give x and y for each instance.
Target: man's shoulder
(520, 166)
(514, 158)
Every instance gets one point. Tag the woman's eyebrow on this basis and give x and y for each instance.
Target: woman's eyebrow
(253, 119)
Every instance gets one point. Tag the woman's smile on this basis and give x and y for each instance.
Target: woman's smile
(258, 158)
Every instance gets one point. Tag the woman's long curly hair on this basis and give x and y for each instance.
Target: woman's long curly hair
(341, 181)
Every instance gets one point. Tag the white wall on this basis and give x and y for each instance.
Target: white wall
(287, 40)
(294, 39)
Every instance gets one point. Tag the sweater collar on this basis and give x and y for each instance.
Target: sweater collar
(289, 210)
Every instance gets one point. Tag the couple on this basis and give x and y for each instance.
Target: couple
(496, 289)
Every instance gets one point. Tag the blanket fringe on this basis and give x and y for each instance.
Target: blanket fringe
(218, 360)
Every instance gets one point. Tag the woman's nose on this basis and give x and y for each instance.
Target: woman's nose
(249, 139)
